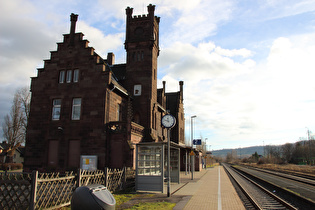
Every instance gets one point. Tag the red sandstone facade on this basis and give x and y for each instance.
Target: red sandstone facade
(83, 104)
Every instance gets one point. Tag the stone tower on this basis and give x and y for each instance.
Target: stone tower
(142, 46)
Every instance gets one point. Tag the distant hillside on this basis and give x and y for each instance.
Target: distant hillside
(241, 152)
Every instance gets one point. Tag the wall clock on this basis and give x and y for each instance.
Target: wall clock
(168, 121)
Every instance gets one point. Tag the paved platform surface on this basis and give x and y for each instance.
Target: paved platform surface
(210, 189)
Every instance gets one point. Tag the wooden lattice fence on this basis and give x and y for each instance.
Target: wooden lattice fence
(54, 190)
(15, 190)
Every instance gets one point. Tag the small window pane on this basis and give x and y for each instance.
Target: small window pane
(76, 109)
(76, 75)
(69, 76)
(118, 112)
(61, 76)
(149, 160)
(141, 171)
(137, 90)
(56, 109)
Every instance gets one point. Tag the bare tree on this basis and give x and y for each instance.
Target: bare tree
(15, 123)
(24, 96)
(287, 152)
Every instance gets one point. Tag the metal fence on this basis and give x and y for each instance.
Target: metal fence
(54, 190)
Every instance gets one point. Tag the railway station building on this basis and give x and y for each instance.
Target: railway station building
(84, 104)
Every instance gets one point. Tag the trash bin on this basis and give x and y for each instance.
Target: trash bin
(92, 197)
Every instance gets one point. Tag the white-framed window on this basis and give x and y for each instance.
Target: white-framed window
(69, 76)
(137, 90)
(119, 112)
(76, 109)
(56, 109)
(76, 75)
(62, 76)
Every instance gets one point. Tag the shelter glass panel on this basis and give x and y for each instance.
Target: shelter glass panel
(149, 160)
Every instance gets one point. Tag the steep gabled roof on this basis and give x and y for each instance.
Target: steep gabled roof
(119, 71)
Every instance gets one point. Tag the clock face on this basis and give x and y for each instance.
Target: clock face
(168, 121)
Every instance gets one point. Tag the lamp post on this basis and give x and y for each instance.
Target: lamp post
(192, 138)
(192, 128)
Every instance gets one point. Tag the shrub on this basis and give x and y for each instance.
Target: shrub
(11, 166)
(261, 161)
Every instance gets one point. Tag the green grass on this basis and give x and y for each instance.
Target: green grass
(122, 198)
(156, 205)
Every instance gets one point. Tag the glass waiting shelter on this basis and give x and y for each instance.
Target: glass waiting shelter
(151, 165)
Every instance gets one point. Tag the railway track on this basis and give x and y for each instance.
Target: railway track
(307, 179)
(300, 192)
(256, 196)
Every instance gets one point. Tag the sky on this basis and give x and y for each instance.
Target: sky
(248, 66)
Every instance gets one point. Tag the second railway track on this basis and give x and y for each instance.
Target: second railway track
(257, 197)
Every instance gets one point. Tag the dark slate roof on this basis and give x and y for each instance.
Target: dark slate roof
(21, 150)
(119, 71)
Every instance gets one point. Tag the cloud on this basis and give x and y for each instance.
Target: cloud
(24, 41)
(291, 87)
(101, 42)
(204, 62)
(236, 98)
(213, 88)
(195, 20)
(235, 52)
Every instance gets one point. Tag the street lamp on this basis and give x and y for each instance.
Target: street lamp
(192, 138)
(192, 128)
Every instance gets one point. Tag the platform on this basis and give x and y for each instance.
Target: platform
(210, 189)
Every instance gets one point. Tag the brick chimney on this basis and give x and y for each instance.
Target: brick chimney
(164, 87)
(110, 58)
(181, 90)
(73, 19)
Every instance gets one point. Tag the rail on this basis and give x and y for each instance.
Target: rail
(257, 195)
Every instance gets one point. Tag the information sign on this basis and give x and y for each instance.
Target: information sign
(197, 142)
(88, 162)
